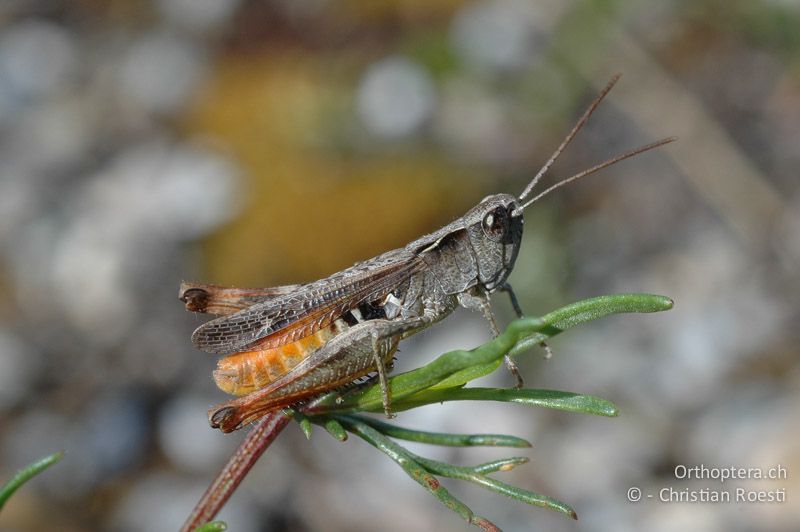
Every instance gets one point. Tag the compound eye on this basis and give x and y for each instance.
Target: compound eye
(494, 223)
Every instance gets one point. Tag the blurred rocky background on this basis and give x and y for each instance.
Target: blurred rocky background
(257, 142)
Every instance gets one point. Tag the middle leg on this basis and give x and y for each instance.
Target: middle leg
(479, 300)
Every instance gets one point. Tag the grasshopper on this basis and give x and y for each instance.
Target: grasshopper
(287, 344)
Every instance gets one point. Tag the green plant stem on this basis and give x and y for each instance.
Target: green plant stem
(26, 473)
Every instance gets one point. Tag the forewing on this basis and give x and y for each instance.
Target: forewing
(309, 308)
(222, 301)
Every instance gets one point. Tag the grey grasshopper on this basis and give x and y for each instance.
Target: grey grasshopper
(288, 344)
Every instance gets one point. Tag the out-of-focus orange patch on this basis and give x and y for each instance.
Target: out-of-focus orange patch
(313, 204)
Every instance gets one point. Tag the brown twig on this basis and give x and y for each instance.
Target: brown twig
(229, 478)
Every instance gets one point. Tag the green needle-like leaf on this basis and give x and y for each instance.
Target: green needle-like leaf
(414, 381)
(459, 367)
(441, 438)
(213, 526)
(303, 421)
(476, 371)
(601, 306)
(25, 474)
(504, 464)
(467, 473)
(562, 319)
(592, 309)
(335, 429)
(557, 400)
(405, 460)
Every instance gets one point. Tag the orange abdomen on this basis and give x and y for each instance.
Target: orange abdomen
(248, 371)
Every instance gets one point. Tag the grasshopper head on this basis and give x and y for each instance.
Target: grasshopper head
(495, 233)
(495, 224)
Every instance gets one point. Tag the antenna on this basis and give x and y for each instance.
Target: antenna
(604, 164)
(568, 139)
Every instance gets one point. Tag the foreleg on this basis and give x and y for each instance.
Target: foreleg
(505, 287)
(479, 300)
